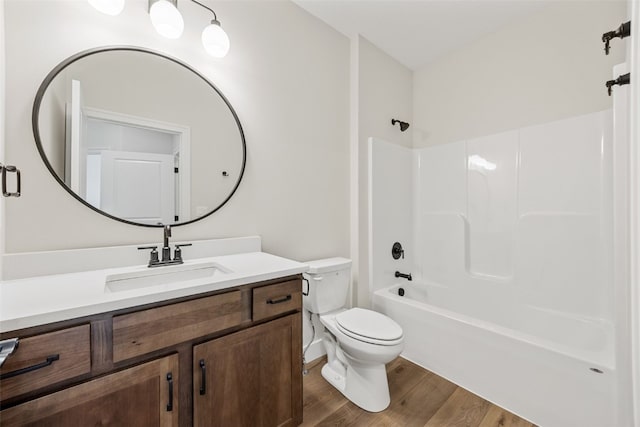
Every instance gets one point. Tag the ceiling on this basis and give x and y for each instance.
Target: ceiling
(415, 32)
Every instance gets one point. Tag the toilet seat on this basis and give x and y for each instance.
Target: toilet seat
(369, 326)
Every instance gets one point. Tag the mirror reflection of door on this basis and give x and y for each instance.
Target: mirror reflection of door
(74, 173)
(150, 200)
(108, 151)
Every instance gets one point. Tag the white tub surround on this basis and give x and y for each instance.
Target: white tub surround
(519, 242)
(33, 301)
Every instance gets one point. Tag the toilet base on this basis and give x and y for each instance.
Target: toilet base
(364, 385)
(334, 378)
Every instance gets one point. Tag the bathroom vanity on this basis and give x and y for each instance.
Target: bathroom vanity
(205, 353)
(103, 338)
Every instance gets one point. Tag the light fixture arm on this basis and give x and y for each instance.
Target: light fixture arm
(215, 17)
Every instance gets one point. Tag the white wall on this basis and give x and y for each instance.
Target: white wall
(634, 186)
(384, 92)
(545, 67)
(287, 76)
(2, 128)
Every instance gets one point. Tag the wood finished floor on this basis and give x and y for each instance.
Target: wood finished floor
(418, 398)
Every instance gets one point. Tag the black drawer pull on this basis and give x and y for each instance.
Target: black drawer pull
(203, 382)
(170, 404)
(49, 361)
(280, 300)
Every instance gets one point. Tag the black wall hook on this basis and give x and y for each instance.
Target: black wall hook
(622, 80)
(623, 31)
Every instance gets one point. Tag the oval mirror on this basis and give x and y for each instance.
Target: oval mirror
(139, 136)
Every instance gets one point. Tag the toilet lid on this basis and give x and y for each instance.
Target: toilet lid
(368, 325)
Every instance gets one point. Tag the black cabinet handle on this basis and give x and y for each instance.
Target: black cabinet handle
(170, 404)
(280, 300)
(49, 361)
(203, 382)
(4, 170)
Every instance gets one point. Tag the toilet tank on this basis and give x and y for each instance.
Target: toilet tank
(328, 284)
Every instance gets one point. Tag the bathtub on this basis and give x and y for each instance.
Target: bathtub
(547, 367)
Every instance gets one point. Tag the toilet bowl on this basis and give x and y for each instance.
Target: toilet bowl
(365, 335)
(358, 342)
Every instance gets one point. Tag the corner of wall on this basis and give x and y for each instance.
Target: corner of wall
(382, 89)
(353, 168)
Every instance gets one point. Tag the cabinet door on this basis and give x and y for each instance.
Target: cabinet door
(250, 378)
(145, 395)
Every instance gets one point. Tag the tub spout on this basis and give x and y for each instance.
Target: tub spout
(404, 276)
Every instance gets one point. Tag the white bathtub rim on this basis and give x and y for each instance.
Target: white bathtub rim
(605, 363)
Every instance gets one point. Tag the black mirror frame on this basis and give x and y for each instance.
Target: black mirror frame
(61, 66)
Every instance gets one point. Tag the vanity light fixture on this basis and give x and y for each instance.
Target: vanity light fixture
(167, 20)
(214, 38)
(109, 7)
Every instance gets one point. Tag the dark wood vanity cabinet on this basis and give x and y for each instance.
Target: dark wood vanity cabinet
(144, 395)
(229, 358)
(263, 361)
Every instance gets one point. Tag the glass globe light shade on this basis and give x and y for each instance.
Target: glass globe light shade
(109, 7)
(166, 19)
(215, 40)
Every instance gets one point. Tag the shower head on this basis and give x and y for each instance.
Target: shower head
(403, 125)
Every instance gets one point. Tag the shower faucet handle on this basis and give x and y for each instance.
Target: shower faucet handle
(397, 251)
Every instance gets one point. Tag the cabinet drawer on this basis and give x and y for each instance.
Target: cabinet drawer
(156, 328)
(144, 395)
(55, 357)
(272, 300)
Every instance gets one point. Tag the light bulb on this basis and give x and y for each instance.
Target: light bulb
(109, 7)
(215, 40)
(166, 19)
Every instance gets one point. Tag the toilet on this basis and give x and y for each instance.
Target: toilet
(358, 342)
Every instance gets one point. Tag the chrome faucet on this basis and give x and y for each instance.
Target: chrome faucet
(166, 251)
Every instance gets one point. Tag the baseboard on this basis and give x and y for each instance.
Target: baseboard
(315, 351)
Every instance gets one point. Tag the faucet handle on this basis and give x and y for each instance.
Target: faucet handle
(153, 256)
(177, 254)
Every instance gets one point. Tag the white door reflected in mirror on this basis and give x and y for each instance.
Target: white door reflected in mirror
(131, 167)
(151, 200)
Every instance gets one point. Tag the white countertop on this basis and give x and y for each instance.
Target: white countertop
(46, 299)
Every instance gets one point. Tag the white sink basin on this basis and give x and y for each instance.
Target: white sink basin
(146, 277)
